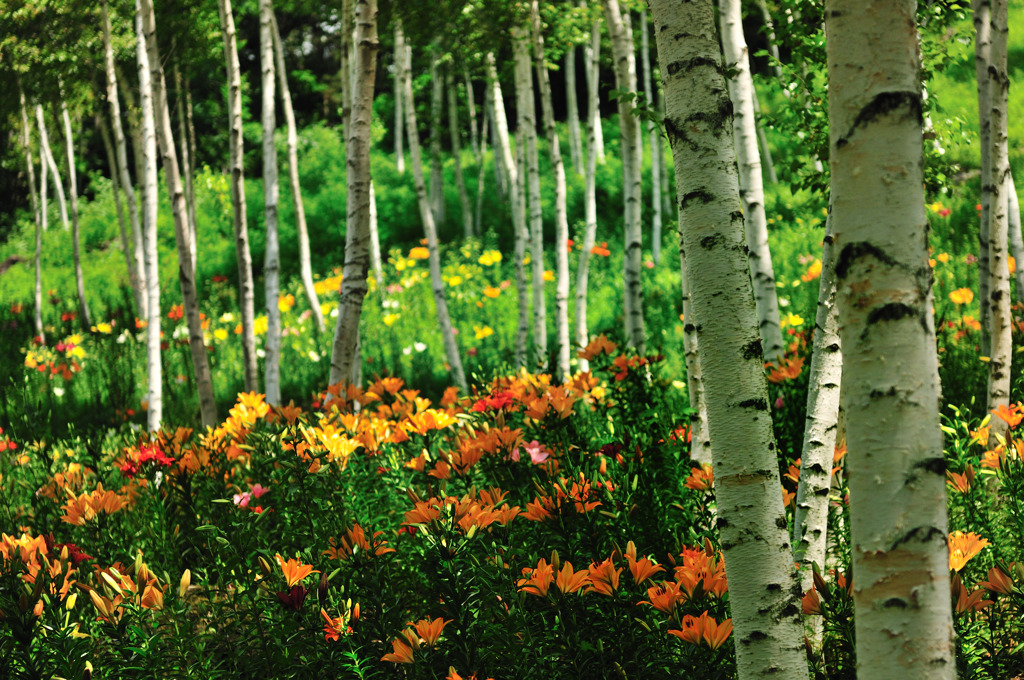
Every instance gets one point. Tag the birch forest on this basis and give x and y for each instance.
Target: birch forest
(511, 339)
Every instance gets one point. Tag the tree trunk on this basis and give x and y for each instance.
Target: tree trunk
(621, 31)
(47, 157)
(186, 277)
(589, 195)
(186, 166)
(344, 355)
(764, 593)
(999, 278)
(453, 131)
(762, 143)
(137, 266)
(76, 253)
(474, 131)
(115, 186)
(700, 439)
(246, 287)
(399, 103)
(503, 160)
(478, 215)
(345, 70)
(451, 348)
(592, 61)
(305, 265)
(654, 135)
(1016, 239)
(133, 115)
(561, 216)
(375, 259)
(37, 213)
(436, 162)
(572, 103)
(982, 48)
(741, 91)
(526, 109)
(810, 519)
(272, 252)
(150, 198)
(890, 373)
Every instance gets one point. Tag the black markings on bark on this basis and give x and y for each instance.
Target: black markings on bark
(700, 195)
(780, 522)
(721, 523)
(774, 587)
(924, 534)
(895, 602)
(717, 121)
(854, 251)
(753, 350)
(691, 64)
(893, 311)
(935, 465)
(758, 404)
(756, 636)
(879, 394)
(883, 104)
(709, 242)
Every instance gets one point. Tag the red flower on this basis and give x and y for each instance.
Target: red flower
(292, 599)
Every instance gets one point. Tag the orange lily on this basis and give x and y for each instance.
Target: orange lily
(963, 547)
(998, 582)
(537, 581)
(294, 571)
(429, 630)
(604, 577)
(403, 647)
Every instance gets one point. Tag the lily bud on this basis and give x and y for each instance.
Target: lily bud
(184, 583)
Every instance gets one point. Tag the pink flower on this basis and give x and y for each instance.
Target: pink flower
(242, 499)
(538, 454)
(971, 258)
(259, 490)
(779, 403)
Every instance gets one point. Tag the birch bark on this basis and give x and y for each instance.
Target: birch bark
(115, 187)
(305, 265)
(272, 251)
(76, 251)
(186, 166)
(186, 277)
(47, 156)
(591, 57)
(454, 134)
(1016, 239)
(37, 214)
(504, 161)
(344, 356)
(982, 48)
(890, 370)
(474, 132)
(764, 592)
(561, 216)
(573, 114)
(621, 32)
(399, 102)
(741, 91)
(246, 287)
(700, 439)
(436, 163)
(654, 137)
(451, 348)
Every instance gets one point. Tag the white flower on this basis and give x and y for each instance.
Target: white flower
(260, 353)
(390, 304)
(121, 339)
(419, 346)
(227, 317)
(59, 391)
(407, 351)
(313, 356)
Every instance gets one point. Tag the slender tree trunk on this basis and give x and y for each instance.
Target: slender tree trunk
(700, 439)
(762, 144)
(137, 266)
(474, 131)
(375, 259)
(998, 300)
(272, 252)
(982, 48)
(654, 135)
(572, 103)
(115, 187)
(37, 212)
(895, 460)
(47, 155)
(503, 159)
(764, 592)
(591, 57)
(621, 31)
(478, 216)
(246, 287)
(1016, 239)
(810, 520)
(526, 111)
(741, 91)
(345, 71)
(305, 265)
(186, 166)
(186, 277)
(76, 253)
(344, 355)
(453, 131)
(773, 44)
(148, 182)
(444, 321)
(589, 195)
(133, 115)
(561, 216)
(436, 162)
(399, 103)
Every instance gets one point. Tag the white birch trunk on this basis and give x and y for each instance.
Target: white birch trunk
(762, 143)
(621, 32)
(589, 197)
(399, 103)
(246, 287)
(46, 153)
(375, 258)
(186, 277)
(503, 159)
(148, 182)
(444, 321)
(999, 181)
(37, 213)
(654, 137)
(522, 242)
(561, 216)
(115, 186)
(436, 162)
(890, 371)
(305, 265)
(591, 57)
(526, 112)
(137, 270)
(741, 91)
(272, 252)
(810, 519)
(454, 132)
(982, 48)
(186, 167)
(1016, 239)
(700, 440)
(478, 215)
(573, 114)
(474, 131)
(76, 252)
(345, 360)
(764, 593)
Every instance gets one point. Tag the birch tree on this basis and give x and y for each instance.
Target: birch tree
(700, 440)
(186, 276)
(399, 102)
(451, 348)
(246, 287)
(46, 153)
(115, 187)
(38, 206)
(76, 251)
(591, 57)
(148, 182)
(741, 91)
(890, 374)
(764, 593)
(344, 355)
(1016, 238)
(982, 48)
(186, 166)
(455, 136)
(436, 163)
(305, 265)
(561, 216)
(621, 31)
(654, 137)
(573, 115)
(272, 251)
